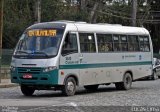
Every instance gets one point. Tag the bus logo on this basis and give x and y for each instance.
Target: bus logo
(28, 70)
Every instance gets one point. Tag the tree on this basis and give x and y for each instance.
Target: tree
(38, 11)
(134, 12)
(83, 4)
(19, 14)
(1, 24)
(1, 31)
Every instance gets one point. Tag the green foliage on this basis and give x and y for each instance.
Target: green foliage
(19, 14)
(6, 57)
(115, 14)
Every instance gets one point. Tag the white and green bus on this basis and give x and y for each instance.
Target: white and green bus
(63, 55)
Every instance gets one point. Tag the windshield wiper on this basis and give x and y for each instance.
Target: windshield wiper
(35, 52)
(25, 52)
(40, 52)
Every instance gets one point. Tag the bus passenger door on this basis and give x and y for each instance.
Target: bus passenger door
(87, 58)
(69, 58)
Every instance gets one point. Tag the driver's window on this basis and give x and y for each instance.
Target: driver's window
(70, 44)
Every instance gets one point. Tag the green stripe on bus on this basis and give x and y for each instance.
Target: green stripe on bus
(98, 65)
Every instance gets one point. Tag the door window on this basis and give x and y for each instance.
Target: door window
(70, 44)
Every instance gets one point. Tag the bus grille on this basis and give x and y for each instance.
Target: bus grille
(29, 70)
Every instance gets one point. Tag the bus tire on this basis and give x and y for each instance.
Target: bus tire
(27, 91)
(69, 87)
(91, 87)
(126, 84)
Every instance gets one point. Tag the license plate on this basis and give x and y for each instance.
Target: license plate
(27, 76)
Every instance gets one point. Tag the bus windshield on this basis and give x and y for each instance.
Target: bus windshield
(39, 43)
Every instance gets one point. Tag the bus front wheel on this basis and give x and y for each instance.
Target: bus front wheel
(69, 88)
(27, 91)
(126, 83)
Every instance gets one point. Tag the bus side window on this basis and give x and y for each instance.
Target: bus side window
(131, 47)
(87, 42)
(116, 43)
(133, 43)
(104, 43)
(123, 43)
(70, 44)
(144, 43)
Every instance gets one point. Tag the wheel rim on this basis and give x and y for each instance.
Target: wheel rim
(70, 87)
(128, 82)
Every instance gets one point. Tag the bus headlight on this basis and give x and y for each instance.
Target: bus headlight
(47, 69)
(12, 68)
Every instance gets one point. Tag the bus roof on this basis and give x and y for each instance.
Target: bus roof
(112, 29)
(106, 28)
(97, 28)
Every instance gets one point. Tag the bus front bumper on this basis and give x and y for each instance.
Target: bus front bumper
(35, 77)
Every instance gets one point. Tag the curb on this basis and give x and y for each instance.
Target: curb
(8, 85)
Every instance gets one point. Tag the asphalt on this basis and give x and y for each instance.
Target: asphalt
(6, 83)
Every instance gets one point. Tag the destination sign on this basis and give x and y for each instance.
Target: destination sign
(37, 33)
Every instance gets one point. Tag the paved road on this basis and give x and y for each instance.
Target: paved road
(143, 93)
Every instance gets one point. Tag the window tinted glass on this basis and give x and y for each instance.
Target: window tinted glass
(104, 42)
(70, 44)
(87, 42)
(133, 43)
(144, 43)
(124, 43)
(116, 43)
(39, 43)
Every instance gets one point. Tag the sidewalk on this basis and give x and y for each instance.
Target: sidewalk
(6, 83)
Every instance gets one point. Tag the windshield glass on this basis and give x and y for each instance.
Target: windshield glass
(39, 43)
